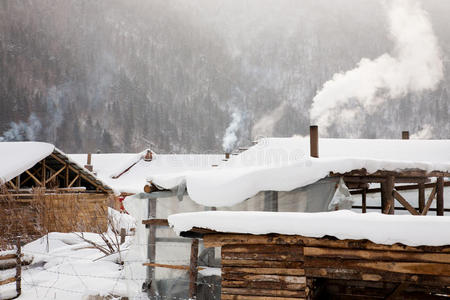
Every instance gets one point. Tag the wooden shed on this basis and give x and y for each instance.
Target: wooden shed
(372, 265)
(42, 191)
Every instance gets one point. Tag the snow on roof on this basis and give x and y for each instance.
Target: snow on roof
(17, 157)
(344, 224)
(129, 172)
(283, 164)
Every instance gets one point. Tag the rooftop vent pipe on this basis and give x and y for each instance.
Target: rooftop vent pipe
(314, 140)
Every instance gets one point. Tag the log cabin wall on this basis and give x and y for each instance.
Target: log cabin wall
(295, 267)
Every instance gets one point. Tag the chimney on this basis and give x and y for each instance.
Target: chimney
(88, 164)
(148, 156)
(314, 140)
(405, 135)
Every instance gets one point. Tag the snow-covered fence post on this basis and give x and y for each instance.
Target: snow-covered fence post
(18, 268)
(193, 269)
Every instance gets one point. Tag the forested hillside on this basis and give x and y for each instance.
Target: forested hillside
(115, 75)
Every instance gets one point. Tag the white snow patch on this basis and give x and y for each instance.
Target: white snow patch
(17, 157)
(283, 164)
(344, 224)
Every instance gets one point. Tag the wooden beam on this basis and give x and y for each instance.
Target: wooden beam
(175, 267)
(400, 188)
(376, 255)
(430, 200)
(389, 188)
(66, 179)
(440, 196)
(55, 174)
(220, 239)
(8, 280)
(421, 197)
(73, 180)
(34, 173)
(156, 222)
(193, 270)
(44, 172)
(405, 203)
(364, 201)
(79, 171)
(34, 178)
(12, 184)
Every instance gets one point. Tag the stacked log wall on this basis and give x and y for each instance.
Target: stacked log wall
(293, 267)
(258, 271)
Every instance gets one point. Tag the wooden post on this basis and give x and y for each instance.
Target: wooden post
(364, 200)
(193, 269)
(421, 197)
(440, 196)
(387, 199)
(44, 172)
(314, 140)
(151, 248)
(123, 233)
(405, 135)
(18, 268)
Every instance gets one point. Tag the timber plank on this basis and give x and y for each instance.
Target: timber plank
(377, 255)
(262, 248)
(218, 240)
(420, 268)
(265, 271)
(8, 280)
(265, 278)
(262, 292)
(343, 273)
(8, 256)
(244, 297)
(264, 285)
(274, 256)
(261, 263)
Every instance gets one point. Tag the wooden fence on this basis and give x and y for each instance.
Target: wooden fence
(17, 264)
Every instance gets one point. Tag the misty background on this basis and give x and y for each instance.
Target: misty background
(174, 75)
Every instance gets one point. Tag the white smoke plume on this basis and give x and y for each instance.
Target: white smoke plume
(425, 133)
(230, 138)
(266, 125)
(414, 65)
(22, 131)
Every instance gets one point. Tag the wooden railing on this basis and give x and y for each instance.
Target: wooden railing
(18, 266)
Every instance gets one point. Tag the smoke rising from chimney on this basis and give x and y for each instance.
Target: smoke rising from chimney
(230, 138)
(414, 65)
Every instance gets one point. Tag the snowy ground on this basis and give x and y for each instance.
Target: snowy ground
(64, 266)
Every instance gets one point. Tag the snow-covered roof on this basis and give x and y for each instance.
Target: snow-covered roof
(129, 172)
(283, 164)
(344, 224)
(17, 157)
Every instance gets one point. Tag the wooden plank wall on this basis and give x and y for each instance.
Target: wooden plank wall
(258, 271)
(293, 267)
